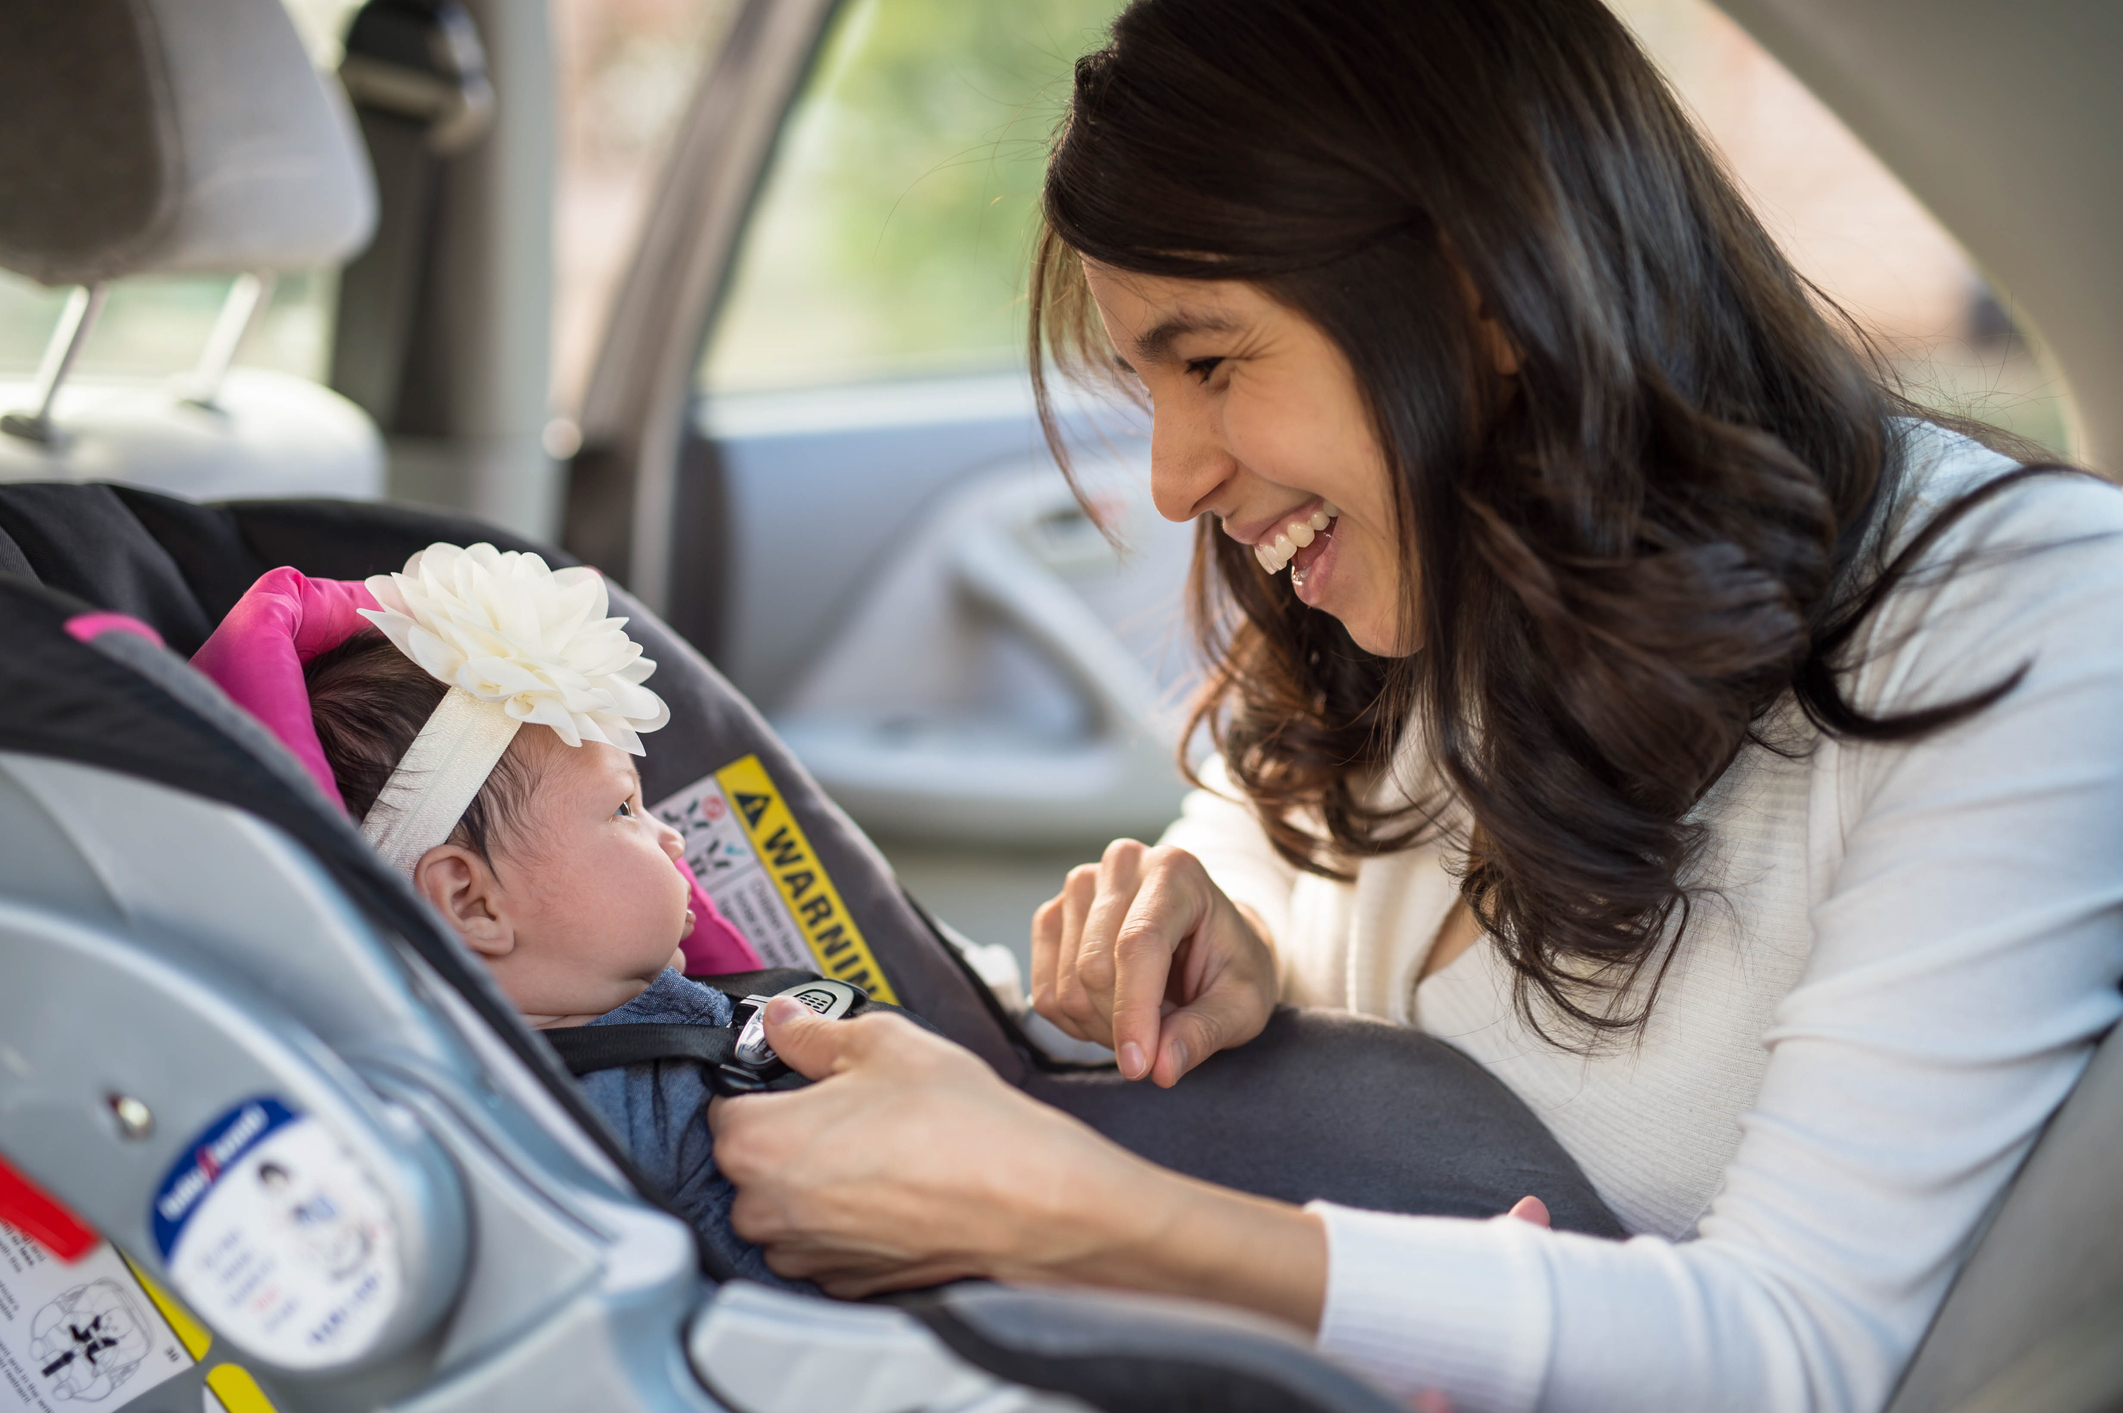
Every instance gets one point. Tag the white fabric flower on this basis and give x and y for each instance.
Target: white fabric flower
(510, 630)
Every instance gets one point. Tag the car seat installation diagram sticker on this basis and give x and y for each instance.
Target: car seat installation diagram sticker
(83, 1335)
(278, 1237)
(745, 846)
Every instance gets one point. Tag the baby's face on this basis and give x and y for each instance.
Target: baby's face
(582, 906)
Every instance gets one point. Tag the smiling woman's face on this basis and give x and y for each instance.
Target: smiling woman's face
(1258, 421)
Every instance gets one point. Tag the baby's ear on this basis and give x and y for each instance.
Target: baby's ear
(463, 888)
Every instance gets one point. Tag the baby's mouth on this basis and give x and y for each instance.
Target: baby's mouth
(1300, 542)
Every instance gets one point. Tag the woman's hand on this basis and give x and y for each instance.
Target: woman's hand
(910, 1162)
(1143, 953)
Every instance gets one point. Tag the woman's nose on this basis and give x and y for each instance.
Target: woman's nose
(1188, 461)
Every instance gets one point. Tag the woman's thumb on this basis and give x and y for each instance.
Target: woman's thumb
(1194, 1032)
(807, 1042)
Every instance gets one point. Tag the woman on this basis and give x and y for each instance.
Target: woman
(1611, 677)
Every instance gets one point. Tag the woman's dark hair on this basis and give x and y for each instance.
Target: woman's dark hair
(369, 701)
(1624, 556)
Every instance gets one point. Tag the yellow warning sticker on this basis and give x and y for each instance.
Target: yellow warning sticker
(744, 844)
(237, 1390)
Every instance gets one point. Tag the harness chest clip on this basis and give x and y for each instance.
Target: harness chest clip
(753, 1065)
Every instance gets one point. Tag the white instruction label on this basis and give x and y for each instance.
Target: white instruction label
(278, 1238)
(80, 1335)
(748, 849)
(720, 853)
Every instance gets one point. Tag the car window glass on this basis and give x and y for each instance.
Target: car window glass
(889, 237)
(624, 72)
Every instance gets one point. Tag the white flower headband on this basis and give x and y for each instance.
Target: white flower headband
(515, 642)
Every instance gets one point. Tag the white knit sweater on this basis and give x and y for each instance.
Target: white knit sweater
(1903, 959)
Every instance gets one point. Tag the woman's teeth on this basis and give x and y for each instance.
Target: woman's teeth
(1274, 554)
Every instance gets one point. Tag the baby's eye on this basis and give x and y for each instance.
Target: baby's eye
(626, 809)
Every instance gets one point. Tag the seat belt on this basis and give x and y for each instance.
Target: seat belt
(585, 1049)
(737, 1058)
(415, 73)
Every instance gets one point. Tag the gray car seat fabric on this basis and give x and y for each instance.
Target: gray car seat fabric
(171, 135)
(2014, 1332)
(1347, 1109)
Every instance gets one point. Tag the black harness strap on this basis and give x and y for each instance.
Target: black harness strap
(586, 1048)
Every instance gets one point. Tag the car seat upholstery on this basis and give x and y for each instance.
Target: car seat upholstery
(138, 805)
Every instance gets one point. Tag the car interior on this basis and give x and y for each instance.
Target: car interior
(942, 648)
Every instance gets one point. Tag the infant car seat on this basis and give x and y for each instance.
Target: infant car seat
(211, 978)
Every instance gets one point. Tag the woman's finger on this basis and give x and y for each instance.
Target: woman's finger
(1163, 914)
(1218, 1020)
(1071, 1006)
(1047, 922)
(806, 1041)
(1120, 875)
(1530, 1209)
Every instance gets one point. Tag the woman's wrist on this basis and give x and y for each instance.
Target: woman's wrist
(1142, 1227)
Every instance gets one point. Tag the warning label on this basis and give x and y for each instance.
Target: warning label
(748, 851)
(78, 1335)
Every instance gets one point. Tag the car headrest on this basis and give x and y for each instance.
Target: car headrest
(171, 135)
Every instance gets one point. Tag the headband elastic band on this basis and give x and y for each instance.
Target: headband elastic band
(440, 775)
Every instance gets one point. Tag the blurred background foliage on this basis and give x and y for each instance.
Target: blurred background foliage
(890, 237)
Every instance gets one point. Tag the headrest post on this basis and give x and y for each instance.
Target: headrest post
(247, 295)
(76, 320)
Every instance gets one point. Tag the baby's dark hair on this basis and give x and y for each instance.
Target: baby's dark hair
(369, 701)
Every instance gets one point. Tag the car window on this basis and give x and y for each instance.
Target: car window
(624, 71)
(888, 240)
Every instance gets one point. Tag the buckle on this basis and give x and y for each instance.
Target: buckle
(753, 1065)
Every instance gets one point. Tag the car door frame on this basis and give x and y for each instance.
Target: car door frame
(642, 470)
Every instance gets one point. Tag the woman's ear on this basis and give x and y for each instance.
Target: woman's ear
(1503, 353)
(462, 885)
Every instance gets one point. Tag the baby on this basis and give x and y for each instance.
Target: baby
(495, 773)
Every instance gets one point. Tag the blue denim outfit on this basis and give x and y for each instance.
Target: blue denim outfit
(660, 1112)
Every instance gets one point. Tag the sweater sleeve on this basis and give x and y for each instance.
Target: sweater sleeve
(1217, 826)
(1966, 958)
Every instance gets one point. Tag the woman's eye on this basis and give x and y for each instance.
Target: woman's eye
(1200, 368)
